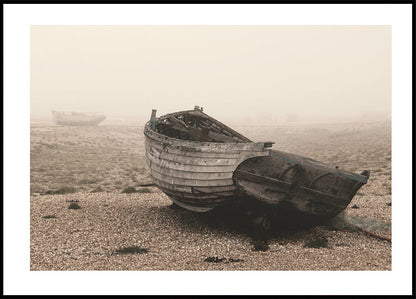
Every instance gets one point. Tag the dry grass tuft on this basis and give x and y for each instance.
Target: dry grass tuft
(144, 190)
(74, 206)
(132, 250)
(129, 190)
(62, 190)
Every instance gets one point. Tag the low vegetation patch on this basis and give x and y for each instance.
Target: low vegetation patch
(74, 206)
(49, 216)
(63, 190)
(235, 260)
(316, 243)
(144, 190)
(215, 259)
(88, 181)
(129, 190)
(260, 245)
(132, 250)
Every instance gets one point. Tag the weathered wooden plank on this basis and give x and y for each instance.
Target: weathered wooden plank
(191, 160)
(208, 148)
(198, 202)
(186, 153)
(192, 175)
(195, 160)
(173, 188)
(187, 197)
(207, 203)
(198, 133)
(196, 190)
(214, 189)
(190, 182)
(213, 120)
(195, 155)
(197, 198)
(187, 167)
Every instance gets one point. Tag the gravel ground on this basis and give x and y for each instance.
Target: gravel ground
(97, 163)
(176, 239)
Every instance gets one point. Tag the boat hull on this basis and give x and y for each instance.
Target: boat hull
(200, 163)
(197, 175)
(295, 185)
(76, 119)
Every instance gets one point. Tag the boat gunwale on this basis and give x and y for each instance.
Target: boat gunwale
(197, 112)
(336, 171)
(182, 150)
(158, 137)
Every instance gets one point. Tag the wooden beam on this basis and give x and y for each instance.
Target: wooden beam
(199, 133)
(220, 124)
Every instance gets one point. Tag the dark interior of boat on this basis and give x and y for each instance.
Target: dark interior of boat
(197, 126)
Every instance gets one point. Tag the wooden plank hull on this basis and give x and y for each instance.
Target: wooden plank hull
(298, 185)
(196, 175)
(200, 163)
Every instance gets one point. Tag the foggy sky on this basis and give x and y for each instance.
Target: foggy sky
(241, 72)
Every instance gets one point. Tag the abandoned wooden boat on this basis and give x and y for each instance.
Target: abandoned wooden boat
(77, 118)
(191, 157)
(200, 163)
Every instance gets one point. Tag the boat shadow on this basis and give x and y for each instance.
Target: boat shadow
(232, 220)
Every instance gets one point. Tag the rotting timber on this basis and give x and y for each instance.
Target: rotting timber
(200, 164)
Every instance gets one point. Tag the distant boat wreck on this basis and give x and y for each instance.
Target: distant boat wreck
(201, 163)
(77, 118)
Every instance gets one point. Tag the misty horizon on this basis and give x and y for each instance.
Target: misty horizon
(237, 73)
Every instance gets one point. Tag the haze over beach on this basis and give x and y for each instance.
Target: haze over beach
(320, 92)
(331, 83)
(250, 74)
